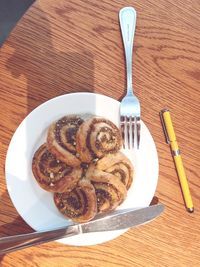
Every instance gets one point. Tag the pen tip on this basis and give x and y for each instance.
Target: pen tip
(164, 110)
(190, 210)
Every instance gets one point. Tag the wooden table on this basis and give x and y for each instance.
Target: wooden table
(75, 46)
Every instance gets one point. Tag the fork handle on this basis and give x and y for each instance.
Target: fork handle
(127, 19)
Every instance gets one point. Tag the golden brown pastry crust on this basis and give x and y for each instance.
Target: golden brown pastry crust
(80, 204)
(110, 191)
(97, 137)
(119, 165)
(82, 165)
(61, 139)
(52, 174)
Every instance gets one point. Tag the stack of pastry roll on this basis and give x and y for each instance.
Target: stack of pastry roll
(82, 165)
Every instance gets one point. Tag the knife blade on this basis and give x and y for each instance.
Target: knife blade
(122, 219)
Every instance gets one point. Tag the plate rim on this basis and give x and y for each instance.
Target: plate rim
(46, 104)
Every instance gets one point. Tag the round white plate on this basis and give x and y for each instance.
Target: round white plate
(35, 205)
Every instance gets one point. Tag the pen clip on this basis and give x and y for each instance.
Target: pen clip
(163, 125)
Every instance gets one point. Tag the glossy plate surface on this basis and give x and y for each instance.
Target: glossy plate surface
(35, 205)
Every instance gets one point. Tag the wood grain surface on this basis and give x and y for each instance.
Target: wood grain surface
(72, 46)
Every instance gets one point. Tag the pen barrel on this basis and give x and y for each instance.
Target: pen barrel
(175, 148)
(183, 181)
(169, 126)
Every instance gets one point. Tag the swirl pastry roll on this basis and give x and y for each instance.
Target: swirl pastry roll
(97, 137)
(61, 139)
(119, 165)
(80, 204)
(52, 174)
(110, 191)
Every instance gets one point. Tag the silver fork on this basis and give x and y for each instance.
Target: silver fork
(130, 105)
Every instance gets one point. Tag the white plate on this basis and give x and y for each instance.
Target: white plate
(35, 205)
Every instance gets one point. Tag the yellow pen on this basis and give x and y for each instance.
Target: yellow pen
(171, 139)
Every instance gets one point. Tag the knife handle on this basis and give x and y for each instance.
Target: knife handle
(16, 242)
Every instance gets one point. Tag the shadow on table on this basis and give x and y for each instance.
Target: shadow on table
(154, 201)
(12, 226)
(1, 259)
(48, 71)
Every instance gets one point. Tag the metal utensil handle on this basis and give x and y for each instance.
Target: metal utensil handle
(16, 242)
(127, 18)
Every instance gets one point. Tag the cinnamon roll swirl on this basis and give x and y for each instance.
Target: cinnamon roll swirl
(80, 204)
(110, 191)
(97, 137)
(61, 139)
(119, 165)
(52, 174)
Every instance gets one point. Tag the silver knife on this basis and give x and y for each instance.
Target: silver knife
(122, 219)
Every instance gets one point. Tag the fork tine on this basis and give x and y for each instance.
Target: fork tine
(138, 132)
(134, 130)
(122, 129)
(125, 132)
(131, 132)
(128, 131)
